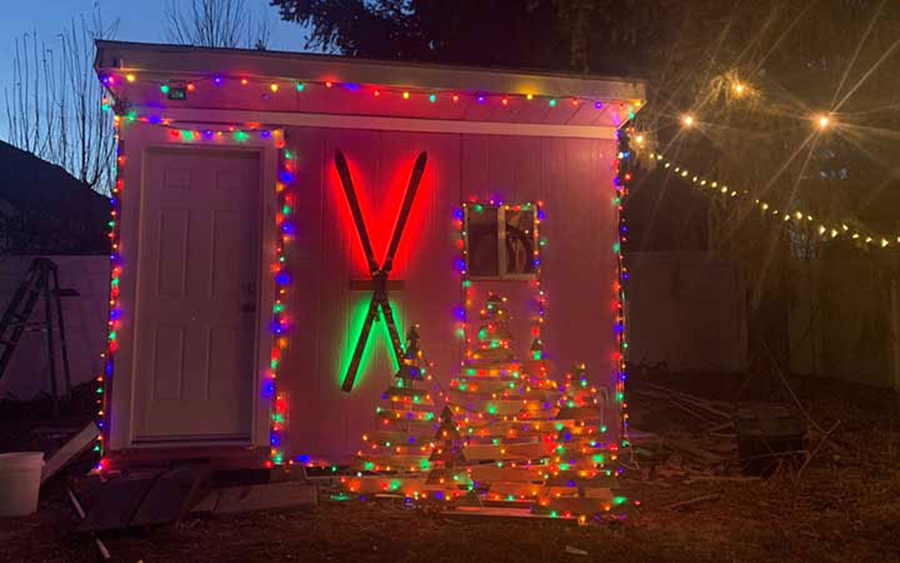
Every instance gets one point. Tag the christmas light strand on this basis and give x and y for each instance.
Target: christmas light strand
(280, 324)
(104, 381)
(826, 231)
(178, 90)
(621, 182)
(285, 229)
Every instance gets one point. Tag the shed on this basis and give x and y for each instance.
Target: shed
(268, 204)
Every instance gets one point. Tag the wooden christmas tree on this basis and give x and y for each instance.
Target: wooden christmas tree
(447, 458)
(580, 480)
(584, 449)
(405, 419)
(505, 410)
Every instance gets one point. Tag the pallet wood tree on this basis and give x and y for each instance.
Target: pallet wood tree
(584, 447)
(405, 419)
(506, 412)
(580, 477)
(447, 458)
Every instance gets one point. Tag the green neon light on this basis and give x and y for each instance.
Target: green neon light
(379, 338)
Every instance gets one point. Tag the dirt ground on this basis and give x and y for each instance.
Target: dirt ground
(843, 506)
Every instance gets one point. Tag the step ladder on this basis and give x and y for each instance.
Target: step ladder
(41, 280)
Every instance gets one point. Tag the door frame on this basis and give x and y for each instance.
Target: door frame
(139, 140)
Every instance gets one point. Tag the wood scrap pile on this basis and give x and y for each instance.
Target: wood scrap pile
(723, 441)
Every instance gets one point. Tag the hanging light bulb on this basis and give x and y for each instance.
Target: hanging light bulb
(687, 120)
(823, 121)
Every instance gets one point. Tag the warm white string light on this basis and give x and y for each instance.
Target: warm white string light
(825, 231)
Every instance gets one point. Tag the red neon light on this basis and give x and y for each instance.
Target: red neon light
(380, 202)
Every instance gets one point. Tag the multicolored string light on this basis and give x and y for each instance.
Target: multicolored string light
(280, 325)
(275, 87)
(621, 182)
(284, 225)
(461, 266)
(104, 380)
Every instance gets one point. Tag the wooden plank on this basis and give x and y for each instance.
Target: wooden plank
(289, 494)
(113, 506)
(77, 444)
(532, 450)
(502, 513)
(490, 473)
(369, 285)
(171, 496)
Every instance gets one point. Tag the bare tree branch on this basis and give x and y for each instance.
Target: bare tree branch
(54, 105)
(215, 23)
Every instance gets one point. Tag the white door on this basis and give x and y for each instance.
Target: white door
(197, 296)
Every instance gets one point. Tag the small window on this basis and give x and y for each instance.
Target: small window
(501, 241)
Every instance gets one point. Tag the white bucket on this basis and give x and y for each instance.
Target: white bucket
(20, 480)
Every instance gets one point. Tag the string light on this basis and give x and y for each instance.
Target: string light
(114, 322)
(279, 324)
(621, 189)
(823, 121)
(504, 99)
(688, 120)
(826, 232)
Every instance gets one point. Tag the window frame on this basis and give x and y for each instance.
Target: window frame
(502, 258)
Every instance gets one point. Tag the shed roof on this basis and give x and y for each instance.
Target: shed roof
(145, 75)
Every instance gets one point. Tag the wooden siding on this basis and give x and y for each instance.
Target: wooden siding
(573, 177)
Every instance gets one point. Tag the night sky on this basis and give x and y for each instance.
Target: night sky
(139, 20)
